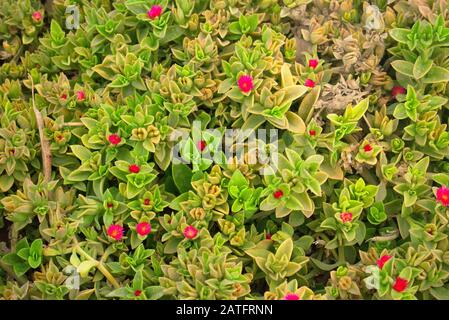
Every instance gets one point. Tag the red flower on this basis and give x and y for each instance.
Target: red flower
(309, 83)
(397, 90)
(143, 228)
(245, 83)
(380, 262)
(367, 148)
(114, 139)
(137, 293)
(134, 168)
(312, 132)
(268, 236)
(291, 296)
(154, 12)
(37, 16)
(313, 63)
(443, 196)
(63, 96)
(80, 95)
(346, 217)
(190, 232)
(146, 202)
(110, 205)
(400, 284)
(202, 145)
(278, 194)
(115, 231)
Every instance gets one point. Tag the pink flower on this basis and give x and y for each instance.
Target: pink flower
(400, 284)
(309, 83)
(80, 95)
(37, 16)
(190, 232)
(380, 262)
(115, 231)
(443, 196)
(313, 63)
(202, 145)
(278, 194)
(291, 296)
(367, 148)
(114, 139)
(143, 228)
(397, 90)
(134, 168)
(154, 12)
(245, 83)
(346, 217)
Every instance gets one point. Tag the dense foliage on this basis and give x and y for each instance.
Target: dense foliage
(97, 97)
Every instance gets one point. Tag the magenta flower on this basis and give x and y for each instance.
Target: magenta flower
(245, 83)
(291, 296)
(143, 228)
(309, 83)
(37, 16)
(114, 139)
(443, 196)
(313, 63)
(154, 12)
(346, 217)
(115, 231)
(397, 90)
(80, 95)
(134, 168)
(380, 262)
(190, 232)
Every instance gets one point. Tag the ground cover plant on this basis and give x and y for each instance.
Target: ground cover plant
(119, 180)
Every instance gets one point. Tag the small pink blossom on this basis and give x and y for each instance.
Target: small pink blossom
(154, 12)
(115, 231)
(291, 296)
(80, 95)
(143, 228)
(313, 63)
(382, 260)
(346, 217)
(245, 83)
(443, 196)
(190, 232)
(309, 83)
(37, 16)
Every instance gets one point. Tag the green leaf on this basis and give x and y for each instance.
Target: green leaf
(440, 293)
(400, 34)
(436, 74)
(81, 152)
(182, 176)
(403, 67)
(238, 180)
(421, 67)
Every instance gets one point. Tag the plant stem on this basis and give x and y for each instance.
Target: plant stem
(45, 146)
(100, 266)
(341, 254)
(73, 124)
